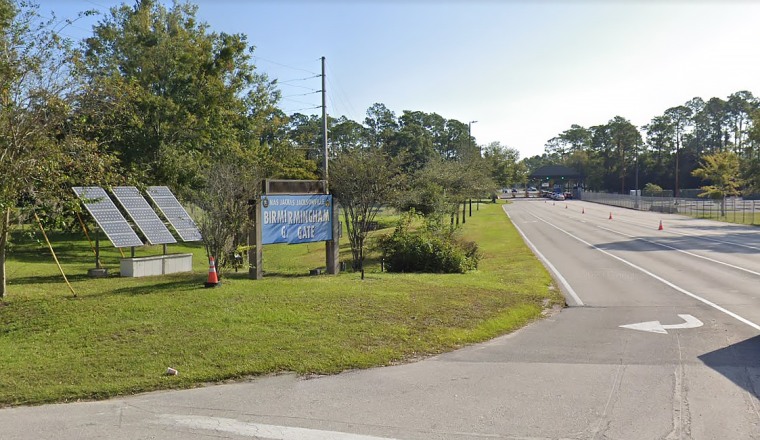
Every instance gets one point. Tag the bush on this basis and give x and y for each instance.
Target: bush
(652, 190)
(426, 250)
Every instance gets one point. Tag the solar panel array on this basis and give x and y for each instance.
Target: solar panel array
(107, 216)
(174, 213)
(143, 215)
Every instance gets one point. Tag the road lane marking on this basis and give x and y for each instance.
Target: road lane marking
(657, 277)
(547, 263)
(258, 430)
(682, 251)
(657, 327)
(696, 237)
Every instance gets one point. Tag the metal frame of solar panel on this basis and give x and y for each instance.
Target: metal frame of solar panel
(152, 227)
(107, 216)
(174, 213)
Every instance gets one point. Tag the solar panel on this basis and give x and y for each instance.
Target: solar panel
(107, 216)
(174, 213)
(143, 215)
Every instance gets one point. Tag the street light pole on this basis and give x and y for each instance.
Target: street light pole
(469, 131)
(636, 200)
(469, 142)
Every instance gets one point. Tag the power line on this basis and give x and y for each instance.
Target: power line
(307, 108)
(256, 57)
(299, 87)
(302, 94)
(341, 95)
(97, 4)
(298, 79)
(299, 102)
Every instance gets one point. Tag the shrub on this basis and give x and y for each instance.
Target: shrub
(426, 250)
(651, 190)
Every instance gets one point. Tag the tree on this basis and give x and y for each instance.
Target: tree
(504, 165)
(739, 108)
(660, 137)
(224, 200)
(715, 117)
(751, 166)
(722, 170)
(577, 137)
(556, 147)
(677, 119)
(170, 97)
(381, 124)
(438, 189)
(346, 134)
(38, 156)
(459, 144)
(535, 162)
(574, 139)
(362, 180)
(580, 160)
(626, 139)
(304, 133)
(422, 137)
(413, 143)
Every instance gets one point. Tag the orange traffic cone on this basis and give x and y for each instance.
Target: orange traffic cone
(660, 228)
(213, 280)
(610, 215)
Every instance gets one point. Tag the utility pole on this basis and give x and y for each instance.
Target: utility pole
(332, 247)
(324, 120)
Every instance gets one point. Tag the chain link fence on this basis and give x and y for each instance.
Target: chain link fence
(734, 209)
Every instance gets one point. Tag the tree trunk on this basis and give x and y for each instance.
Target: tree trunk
(361, 257)
(4, 230)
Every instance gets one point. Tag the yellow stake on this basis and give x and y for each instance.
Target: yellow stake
(54, 257)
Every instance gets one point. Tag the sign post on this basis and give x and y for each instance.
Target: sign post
(255, 245)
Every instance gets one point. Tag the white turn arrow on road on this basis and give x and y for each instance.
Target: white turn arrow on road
(656, 327)
(221, 425)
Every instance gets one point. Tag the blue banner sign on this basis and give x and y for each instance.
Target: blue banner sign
(296, 219)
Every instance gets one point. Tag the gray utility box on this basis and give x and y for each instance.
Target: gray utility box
(156, 265)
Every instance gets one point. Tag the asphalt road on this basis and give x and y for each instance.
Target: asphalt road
(687, 366)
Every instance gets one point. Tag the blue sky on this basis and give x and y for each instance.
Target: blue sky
(525, 70)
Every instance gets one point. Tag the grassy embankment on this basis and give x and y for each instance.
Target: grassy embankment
(119, 335)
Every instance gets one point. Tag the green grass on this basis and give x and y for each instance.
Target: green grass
(739, 217)
(119, 335)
